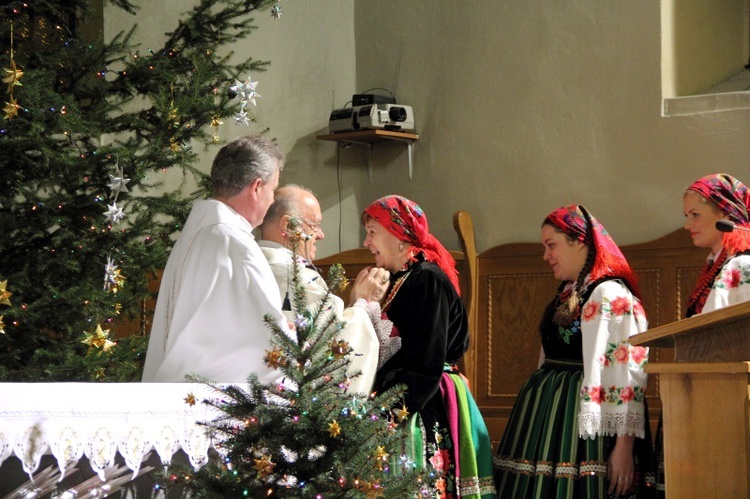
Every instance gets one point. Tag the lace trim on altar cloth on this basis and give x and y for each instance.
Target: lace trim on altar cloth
(101, 444)
(73, 420)
(593, 424)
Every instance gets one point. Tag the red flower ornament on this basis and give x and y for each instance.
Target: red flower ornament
(590, 310)
(627, 394)
(596, 394)
(440, 460)
(733, 278)
(638, 354)
(620, 306)
(621, 354)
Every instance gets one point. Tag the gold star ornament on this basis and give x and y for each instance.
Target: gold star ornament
(337, 278)
(98, 339)
(275, 358)
(373, 490)
(334, 429)
(264, 466)
(4, 293)
(190, 399)
(11, 109)
(173, 116)
(402, 414)
(339, 349)
(381, 456)
(216, 121)
(12, 75)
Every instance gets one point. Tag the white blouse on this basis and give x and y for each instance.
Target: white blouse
(731, 286)
(614, 382)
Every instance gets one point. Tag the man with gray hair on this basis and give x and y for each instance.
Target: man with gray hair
(366, 332)
(217, 286)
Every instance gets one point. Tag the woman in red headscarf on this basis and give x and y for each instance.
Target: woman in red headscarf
(447, 433)
(579, 427)
(725, 279)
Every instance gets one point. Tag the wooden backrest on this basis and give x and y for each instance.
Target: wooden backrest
(464, 227)
(514, 286)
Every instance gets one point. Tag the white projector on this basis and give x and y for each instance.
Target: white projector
(372, 116)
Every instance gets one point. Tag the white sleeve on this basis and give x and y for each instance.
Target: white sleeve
(389, 345)
(361, 336)
(731, 286)
(614, 382)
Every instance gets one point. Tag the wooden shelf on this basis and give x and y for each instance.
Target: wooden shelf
(368, 137)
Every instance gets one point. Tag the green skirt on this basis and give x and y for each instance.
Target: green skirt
(541, 455)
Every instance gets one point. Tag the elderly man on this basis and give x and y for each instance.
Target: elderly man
(217, 286)
(362, 317)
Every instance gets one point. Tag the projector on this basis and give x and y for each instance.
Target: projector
(342, 120)
(372, 116)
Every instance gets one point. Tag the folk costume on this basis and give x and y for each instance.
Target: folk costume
(446, 431)
(591, 387)
(359, 331)
(216, 288)
(725, 279)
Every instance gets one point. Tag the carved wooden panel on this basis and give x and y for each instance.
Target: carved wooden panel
(517, 302)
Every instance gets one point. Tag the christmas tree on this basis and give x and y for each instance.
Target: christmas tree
(88, 129)
(306, 436)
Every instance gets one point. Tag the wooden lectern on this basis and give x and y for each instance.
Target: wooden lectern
(705, 397)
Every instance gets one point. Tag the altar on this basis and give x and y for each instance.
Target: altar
(99, 421)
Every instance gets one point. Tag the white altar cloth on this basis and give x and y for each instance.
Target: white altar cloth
(99, 420)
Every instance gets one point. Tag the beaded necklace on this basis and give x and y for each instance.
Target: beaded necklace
(394, 289)
(705, 282)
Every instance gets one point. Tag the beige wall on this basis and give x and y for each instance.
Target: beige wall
(524, 105)
(704, 42)
(521, 106)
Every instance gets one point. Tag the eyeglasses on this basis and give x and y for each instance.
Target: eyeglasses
(315, 228)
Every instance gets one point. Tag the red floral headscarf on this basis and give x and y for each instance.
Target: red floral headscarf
(405, 219)
(575, 221)
(733, 199)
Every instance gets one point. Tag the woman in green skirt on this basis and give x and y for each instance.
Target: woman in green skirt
(579, 427)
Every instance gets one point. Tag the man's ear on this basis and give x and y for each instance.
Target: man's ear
(284, 223)
(255, 186)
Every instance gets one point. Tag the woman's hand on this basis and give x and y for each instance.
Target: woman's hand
(621, 469)
(371, 284)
